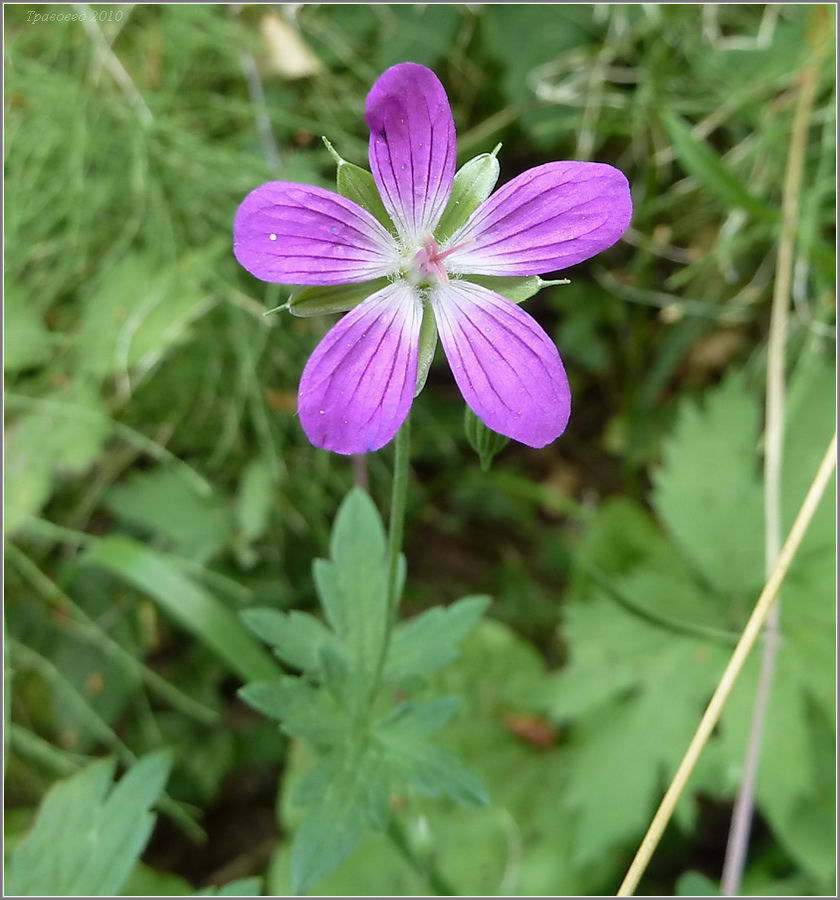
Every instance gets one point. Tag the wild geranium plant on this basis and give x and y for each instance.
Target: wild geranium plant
(410, 250)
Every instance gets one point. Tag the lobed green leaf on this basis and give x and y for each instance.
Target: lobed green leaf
(346, 792)
(296, 637)
(431, 640)
(433, 770)
(88, 835)
(302, 709)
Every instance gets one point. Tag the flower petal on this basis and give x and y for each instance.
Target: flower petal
(547, 218)
(299, 234)
(412, 147)
(358, 385)
(506, 366)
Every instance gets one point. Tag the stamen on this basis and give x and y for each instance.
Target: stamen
(444, 253)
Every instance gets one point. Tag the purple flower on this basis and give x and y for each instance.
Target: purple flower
(358, 385)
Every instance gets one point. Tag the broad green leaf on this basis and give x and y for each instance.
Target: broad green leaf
(189, 604)
(635, 686)
(694, 610)
(28, 473)
(345, 793)
(707, 491)
(26, 340)
(620, 536)
(65, 430)
(88, 835)
(624, 670)
(138, 312)
(8, 675)
(77, 422)
(809, 425)
(666, 605)
(473, 184)
(323, 300)
(431, 640)
(809, 616)
(242, 887)
(624, 741)
(797, 774)
(296, 637)
(255, 499)
(163, 502)
(303, 710)
(761, 879)
(695, 884)
(147, 882)
(426, 350)
(516, 288)
(357, 184)
(701, 161)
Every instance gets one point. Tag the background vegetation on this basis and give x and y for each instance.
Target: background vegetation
(158, 483)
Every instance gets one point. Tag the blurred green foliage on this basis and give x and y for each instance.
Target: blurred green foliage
(158, 484)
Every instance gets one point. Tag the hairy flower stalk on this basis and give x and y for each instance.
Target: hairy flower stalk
(359, 384)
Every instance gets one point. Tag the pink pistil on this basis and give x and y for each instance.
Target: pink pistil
(429, 260)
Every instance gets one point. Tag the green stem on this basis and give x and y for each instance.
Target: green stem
(396, 527)
(396, 523)
(424, 868)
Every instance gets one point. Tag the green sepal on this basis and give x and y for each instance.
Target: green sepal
(486, 442)
(515, 287)
(321, 300)
(357, 184)
(473, 184)
(426, 350)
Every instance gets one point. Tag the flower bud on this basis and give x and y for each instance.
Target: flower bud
(486, 442)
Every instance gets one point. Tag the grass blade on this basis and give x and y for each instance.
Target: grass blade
(190, 605)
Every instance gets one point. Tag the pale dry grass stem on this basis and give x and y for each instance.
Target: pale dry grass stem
(748, 638)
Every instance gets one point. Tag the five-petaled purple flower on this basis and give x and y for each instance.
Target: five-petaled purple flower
(358, 385)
